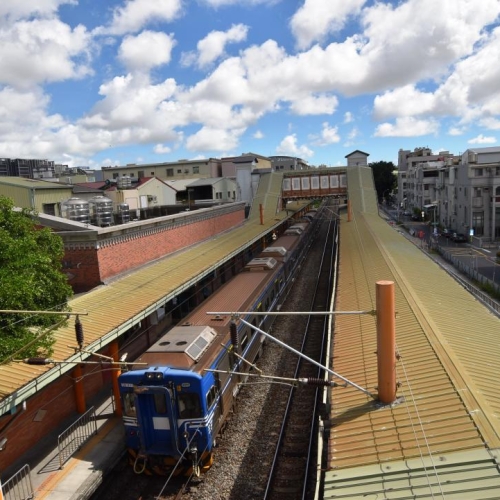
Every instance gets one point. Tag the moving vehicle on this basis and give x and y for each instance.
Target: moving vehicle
(175, 406)
(459, 238)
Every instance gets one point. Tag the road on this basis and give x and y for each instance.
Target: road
(482, 260)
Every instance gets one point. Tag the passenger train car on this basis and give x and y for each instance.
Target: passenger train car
(173, 407)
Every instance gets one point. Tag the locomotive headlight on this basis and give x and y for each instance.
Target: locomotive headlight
(149, 375)
(159, 376)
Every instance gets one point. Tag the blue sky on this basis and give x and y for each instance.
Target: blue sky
(108, 82)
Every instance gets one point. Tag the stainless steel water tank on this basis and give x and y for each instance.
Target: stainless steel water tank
(76, 209)
(101, 211)
(123, 213)
(124, 182)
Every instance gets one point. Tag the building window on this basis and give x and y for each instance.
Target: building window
(152, 174)
(179, 171)
(140, 174)
(196, 170)
(170, 172)
(115, 175)
(49, 208)
(478, 223)
(478, 172)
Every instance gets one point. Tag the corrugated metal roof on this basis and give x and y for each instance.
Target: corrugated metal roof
(114, 308)
(450, 358)
(33, 183)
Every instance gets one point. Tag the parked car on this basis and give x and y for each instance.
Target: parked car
(446, 233)
(459, 238)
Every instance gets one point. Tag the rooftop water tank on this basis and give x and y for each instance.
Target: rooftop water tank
(123, 213)
(76, 209)
(101, 211)
(124, 182)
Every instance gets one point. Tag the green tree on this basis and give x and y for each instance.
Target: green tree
(30, 280)
(384, 178)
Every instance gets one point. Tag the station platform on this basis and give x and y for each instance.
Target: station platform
(82, 473)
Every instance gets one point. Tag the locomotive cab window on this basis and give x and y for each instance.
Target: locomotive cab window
(129, 404)
(160, 403)
(189, 405)
(211, 396)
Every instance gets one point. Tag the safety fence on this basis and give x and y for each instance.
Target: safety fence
(73, 438)
(19, 486)
(472, 273)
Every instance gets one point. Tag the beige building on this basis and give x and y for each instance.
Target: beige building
(42, 196)
(182, 169)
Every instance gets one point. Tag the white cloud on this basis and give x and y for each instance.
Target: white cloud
(212, 47)
(224, 3)
(212, 139)
(37, 51)
(288, 146)
(146, 50)
(161, 149)
(407, 127)
(348, 117)
(328, 135)
(13, 10)
(404, 101)
(456, 131)
(258, 135)
(315, 105)
(491, 123)
(136, 14)
(316, 19)
(481, 139)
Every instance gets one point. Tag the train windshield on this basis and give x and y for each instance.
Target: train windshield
(189, 405)
(129, 404)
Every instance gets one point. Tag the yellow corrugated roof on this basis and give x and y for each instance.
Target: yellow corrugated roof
(450, 357)
(112, 309)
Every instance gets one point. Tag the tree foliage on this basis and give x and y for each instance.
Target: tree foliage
(31, 280)
(384, 178)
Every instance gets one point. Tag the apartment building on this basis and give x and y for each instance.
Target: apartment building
(462, 192)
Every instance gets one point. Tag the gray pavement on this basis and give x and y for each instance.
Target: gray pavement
(81, 473)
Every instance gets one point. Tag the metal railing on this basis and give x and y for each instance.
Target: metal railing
(476, 276)
(75, 436)
(19, 486)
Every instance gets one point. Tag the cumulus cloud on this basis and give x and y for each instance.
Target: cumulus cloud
(481, 139)
(318, 18)
(456, 130)
(13, 10)
(224, 3)
(258, 135)
(407, 127)
(315, 105)
(212, 139)
(46, 50)
(212, 47)
(328, 135)
(146, 50)
(491, 123)
(288, 146)
(136, 14)
(162, 149)
(348, 117)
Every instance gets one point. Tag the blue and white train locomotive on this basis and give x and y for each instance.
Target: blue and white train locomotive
(173, 408)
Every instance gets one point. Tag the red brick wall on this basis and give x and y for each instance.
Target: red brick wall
(124, 256)
(86, 268)
(54, 404)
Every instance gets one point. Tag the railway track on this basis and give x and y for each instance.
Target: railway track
(252, 433)
(293, 469)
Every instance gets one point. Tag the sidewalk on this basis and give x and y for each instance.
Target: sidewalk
(82, 473)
